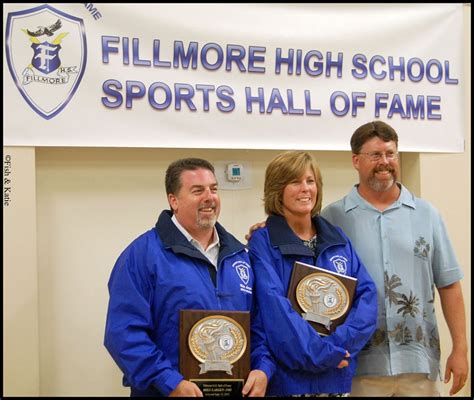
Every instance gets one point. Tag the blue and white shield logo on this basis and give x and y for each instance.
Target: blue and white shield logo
(340, 264)
(46, 57)
(243, 270)
(46, 53)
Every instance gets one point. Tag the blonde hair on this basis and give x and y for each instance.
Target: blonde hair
(283, 169)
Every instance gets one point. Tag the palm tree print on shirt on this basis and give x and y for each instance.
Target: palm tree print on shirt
(390, 286)
(409, 305)
(422, 248)
(401, 334)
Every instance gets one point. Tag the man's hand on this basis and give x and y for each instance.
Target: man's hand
(344, 363)
(452, 304)
(256, 384)
(456, 365)
(186, 389)
(254, 227)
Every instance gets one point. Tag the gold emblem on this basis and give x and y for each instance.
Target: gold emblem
(323, 297)
(218, 341)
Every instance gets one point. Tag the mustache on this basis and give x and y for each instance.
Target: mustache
(384, 168)
(208, 205)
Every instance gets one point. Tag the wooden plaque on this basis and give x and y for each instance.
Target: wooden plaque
(214, 350)
(322, 297)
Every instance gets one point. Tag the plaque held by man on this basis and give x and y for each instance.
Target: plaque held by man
(322, 297)
(214, 350)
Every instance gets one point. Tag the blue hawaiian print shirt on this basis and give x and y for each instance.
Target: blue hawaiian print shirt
(407, 252)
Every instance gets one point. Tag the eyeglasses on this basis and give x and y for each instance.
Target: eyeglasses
(377, 155)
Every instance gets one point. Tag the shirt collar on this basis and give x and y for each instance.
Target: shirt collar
(188, 236)
(284, 238)
(354, 199)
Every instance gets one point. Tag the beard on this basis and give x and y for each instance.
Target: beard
(382, 185)
(207, 222)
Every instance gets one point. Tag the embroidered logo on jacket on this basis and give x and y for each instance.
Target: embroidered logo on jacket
(243, 271)
(340, 264)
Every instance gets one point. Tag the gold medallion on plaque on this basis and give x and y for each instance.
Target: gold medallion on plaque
(217, 341)
(323, 297)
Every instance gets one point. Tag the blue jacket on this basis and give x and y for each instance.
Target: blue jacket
(158, 274)
(306, 361)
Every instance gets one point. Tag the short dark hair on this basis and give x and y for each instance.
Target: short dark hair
(372, 129)
(176, 168)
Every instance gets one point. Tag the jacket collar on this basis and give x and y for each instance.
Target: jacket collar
(173, 239)
(282, 236)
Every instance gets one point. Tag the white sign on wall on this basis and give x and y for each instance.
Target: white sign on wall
(249, 76)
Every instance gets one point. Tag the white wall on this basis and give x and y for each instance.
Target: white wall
(20, 278)
(90, 204)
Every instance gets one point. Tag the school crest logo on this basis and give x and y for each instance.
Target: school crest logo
(243, 270)
(46, 52)
(340, 264)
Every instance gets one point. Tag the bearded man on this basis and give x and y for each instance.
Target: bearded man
(403, 243)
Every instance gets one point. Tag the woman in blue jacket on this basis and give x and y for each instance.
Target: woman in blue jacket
(307, 363)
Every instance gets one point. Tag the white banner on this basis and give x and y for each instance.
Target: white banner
(248, 76)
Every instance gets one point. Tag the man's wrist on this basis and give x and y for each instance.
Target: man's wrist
(459, 348)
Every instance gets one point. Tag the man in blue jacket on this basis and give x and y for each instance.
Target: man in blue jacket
(187, 261)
